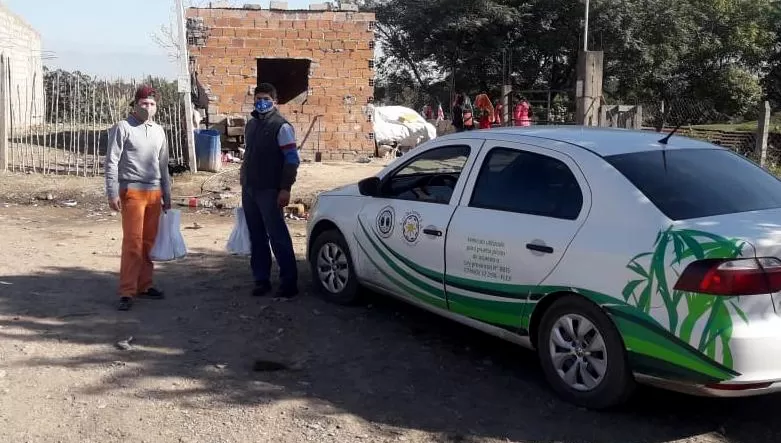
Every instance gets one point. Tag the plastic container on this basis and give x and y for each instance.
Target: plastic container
(208, 150)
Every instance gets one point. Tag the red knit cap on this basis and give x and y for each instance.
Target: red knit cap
(145, 91)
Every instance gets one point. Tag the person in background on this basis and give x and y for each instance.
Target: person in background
(458, 113)
(428, 112)
(521, 113)
(485, 111)
(138, 186)
(499, 113)
(467, 112)
(268, 173)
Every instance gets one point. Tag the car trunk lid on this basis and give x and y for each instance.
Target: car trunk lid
(754, 234)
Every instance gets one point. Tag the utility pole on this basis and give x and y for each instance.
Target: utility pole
(184, 86)
(585, 29)
(588, 86)
(5, 119)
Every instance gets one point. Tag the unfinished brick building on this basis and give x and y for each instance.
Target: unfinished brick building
(321, 61)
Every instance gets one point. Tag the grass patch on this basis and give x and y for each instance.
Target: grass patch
(775, 125)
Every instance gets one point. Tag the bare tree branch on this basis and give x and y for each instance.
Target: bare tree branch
(167, 39)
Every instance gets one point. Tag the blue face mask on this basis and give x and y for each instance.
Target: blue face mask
(264, 105)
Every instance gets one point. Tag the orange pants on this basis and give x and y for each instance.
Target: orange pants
(140, 219)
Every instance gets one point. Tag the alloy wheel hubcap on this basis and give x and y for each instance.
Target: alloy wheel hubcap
(332, 268)
(578, 352)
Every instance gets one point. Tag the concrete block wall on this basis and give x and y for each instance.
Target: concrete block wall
(225, 48)
(20, 44)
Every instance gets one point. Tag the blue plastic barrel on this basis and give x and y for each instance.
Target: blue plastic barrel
(208, 150)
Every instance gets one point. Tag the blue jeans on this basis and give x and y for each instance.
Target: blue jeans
(266, 224)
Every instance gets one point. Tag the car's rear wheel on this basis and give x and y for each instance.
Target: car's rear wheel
(332, 268)
(583, 355)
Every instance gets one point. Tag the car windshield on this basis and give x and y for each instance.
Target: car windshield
(694, 183)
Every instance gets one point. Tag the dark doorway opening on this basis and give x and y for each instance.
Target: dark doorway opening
(289, 75)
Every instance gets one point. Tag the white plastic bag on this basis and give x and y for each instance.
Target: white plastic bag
(398, 124)
(169, 244)
(239, 242)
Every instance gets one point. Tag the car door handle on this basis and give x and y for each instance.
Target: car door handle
(432, 231)
(539, 248)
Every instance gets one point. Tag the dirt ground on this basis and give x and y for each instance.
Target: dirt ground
(213, 364)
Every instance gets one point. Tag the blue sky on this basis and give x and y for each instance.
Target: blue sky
(108, 38)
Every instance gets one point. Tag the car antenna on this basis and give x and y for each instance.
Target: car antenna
(664, 141)
(668, 136)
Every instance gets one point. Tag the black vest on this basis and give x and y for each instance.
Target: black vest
(263, 159)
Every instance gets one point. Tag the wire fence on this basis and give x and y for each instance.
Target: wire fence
(67, 132)
(700, 119)
(684, 111)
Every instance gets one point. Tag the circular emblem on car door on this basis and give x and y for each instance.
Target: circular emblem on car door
(385, 221)
(411, 227)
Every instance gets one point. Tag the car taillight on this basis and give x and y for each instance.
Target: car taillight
(732, 277)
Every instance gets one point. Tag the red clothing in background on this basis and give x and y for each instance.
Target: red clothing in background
(521, 114)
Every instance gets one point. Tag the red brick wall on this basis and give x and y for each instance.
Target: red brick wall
(337, 43)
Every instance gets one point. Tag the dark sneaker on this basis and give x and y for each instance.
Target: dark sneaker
(152, 294)
(261, 289)
(125, 303)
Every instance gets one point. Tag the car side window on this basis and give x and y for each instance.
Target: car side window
(429, 177)
(527, 183)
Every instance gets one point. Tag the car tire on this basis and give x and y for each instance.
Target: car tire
(338, 284)
(602, 378)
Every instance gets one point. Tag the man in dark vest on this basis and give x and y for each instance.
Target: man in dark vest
(267, 174)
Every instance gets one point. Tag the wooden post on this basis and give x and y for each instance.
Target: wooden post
(9, 98)
(763, 129)
(71, 118)
(93, 131)
(22, 152)
(507, 90)
(637, 122)
(549, 109)
(602, 122)
(34, 158)
(45, 139)
(185, 87)
(57, 125)
(30, 111)
(4, 120)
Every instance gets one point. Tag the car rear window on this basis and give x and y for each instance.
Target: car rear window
(695, 183)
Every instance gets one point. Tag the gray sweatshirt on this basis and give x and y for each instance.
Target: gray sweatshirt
(137, 158)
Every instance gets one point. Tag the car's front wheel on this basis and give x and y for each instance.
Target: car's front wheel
(583, 355)
(332, 268)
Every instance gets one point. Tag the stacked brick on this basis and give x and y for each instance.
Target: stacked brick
(20, 47)
(225, 45)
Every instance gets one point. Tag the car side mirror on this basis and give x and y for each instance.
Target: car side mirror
(369, 187)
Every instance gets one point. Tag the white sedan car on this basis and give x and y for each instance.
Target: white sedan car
(619, 257)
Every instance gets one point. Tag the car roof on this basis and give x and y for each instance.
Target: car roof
(601, 141)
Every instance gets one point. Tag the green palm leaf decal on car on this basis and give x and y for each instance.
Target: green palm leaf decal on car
(692, 349)
(674, 249)
(658, 350)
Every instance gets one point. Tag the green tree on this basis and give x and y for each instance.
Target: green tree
(712, 50)
(771, 82)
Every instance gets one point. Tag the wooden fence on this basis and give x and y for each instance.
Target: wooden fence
(67, 132)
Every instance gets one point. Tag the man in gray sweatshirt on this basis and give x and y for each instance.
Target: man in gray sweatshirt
(138, 186)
